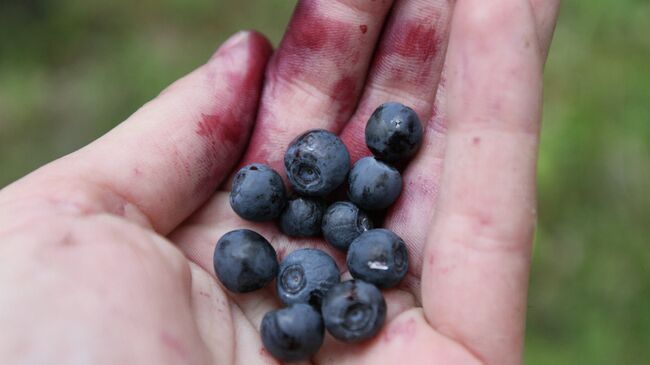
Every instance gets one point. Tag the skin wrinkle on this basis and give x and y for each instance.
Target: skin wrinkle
(200, 322)
(84, 200)
(127, 205)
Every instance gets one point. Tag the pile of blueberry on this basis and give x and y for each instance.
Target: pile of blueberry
(308, 280)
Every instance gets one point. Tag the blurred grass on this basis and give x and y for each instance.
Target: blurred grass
(70, 70)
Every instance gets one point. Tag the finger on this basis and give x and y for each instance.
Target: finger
(168, 157)
(412, 213)
(406, 67)
(477, 260)
(315, 77)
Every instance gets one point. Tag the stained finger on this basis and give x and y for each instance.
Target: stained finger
(316, 75)
(406, 66)
(164, 161)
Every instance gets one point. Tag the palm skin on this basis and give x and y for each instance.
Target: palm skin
(107, 253)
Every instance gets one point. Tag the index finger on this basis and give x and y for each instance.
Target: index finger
(317, 73)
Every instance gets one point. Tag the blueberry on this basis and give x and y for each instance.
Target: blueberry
(378, 256)
(373, 185)
(244, 261)
(305, 276)
(302, 217)
(257, 193)
(393, 132)
(294, 333)
(316, 162)
(354, 311)
(343, 222)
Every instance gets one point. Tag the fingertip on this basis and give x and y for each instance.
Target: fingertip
(249, 41)
(240, 64)
(259, 40)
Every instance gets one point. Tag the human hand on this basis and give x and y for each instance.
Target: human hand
(106, 254)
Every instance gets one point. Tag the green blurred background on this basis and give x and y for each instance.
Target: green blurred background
(71, 69)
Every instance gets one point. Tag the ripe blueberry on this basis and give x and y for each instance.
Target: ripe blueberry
(378, 256)
(343, 222)
(302, 217)
(393, 132)
(294, 333)
(244, 261)
(305, 276)
(354, 311)
(316, 162)
(257, 193)
(373, 185)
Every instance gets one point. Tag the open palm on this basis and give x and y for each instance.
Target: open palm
(107, 253)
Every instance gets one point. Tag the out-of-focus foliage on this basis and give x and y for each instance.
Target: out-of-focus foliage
(589, 301)
(72, 69)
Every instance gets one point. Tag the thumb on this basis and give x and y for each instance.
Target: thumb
(166, 159)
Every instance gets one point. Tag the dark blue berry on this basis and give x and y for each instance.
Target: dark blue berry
(257, 193)
(294, 333)
(343, 222)
(354, 311)
(374, 185)
(302, 217)
(244, 261)
(378, 256)
(316, 163)
(393, 132)
(305, 276)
